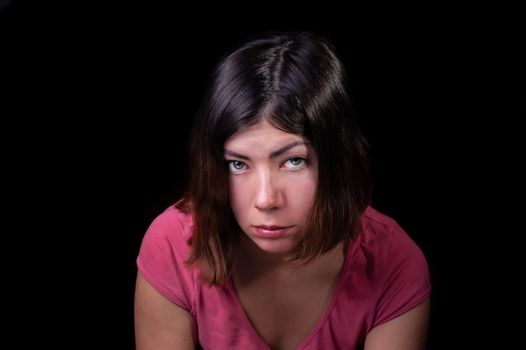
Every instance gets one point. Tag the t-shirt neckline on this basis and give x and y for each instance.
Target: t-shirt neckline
(240, 312)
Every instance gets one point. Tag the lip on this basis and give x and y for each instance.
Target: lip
(270, 231)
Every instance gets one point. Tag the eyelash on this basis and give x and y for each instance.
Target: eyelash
(300, 166)
(230, 163)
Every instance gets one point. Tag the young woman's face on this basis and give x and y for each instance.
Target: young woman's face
(272, 184)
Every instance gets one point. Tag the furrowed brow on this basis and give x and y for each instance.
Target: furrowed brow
(235, 154)
(273, 154)
(285, 148)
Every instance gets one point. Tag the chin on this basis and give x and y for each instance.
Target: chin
(279, 246)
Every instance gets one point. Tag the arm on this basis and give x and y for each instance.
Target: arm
(159, 323)
(405, 332)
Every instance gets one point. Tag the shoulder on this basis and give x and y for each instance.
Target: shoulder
(383, 257)
(172, 227)
(163, 254)
(172, 218)
(382, 235)
(390, 265)
(375, 221)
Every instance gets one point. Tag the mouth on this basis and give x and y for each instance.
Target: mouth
(271, 227)
(271, 231)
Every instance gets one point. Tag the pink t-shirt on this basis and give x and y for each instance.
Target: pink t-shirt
(384, 275)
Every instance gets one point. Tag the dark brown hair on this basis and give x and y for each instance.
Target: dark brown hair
(296, 82)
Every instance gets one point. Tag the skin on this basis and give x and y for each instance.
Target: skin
(273, 177)
(272, 181)
(159, 323)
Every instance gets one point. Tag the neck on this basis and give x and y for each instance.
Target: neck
(254, 262)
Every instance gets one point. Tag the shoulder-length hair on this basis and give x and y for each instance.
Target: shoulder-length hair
(297, 83)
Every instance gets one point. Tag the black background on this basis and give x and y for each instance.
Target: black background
(99, 99)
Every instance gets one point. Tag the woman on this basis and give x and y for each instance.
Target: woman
(275, 246)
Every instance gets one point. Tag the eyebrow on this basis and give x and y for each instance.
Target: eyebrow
(273, 154)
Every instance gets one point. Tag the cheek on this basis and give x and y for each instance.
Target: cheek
(304, 195)
(238, 199)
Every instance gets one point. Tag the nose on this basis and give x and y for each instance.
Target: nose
(268, 196)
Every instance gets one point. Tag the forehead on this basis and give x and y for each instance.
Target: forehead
(261, 134)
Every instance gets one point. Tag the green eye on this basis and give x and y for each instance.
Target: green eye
(296, 163)
(235, 166)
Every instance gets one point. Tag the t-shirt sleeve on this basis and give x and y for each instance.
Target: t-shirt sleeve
(405, 276)
(162, 256)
